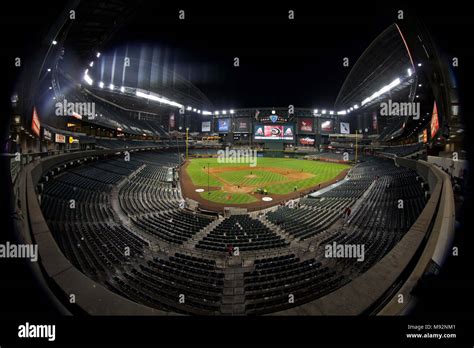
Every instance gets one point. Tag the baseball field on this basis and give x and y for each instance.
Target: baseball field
(241, 184)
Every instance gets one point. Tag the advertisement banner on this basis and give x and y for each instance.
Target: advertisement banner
(374, 121)
(35, 123)
(206, 126)
(47, 134)
(326, 126)
(434, 121)
(345, 128)
(305, 125)
(59, 138)
(307, 141)
(242, 125)
(172, 121)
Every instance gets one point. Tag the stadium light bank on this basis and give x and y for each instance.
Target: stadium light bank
(159, 99)
(381, 91)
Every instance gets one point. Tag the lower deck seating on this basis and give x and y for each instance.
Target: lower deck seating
(180, 283)
(311, 217)
(243, 232)
(141, 197)
(175, 226)
(94, 238)
(286, 281)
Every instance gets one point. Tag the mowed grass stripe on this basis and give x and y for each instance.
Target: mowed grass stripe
(324, 174)
(240, 177)
(229, 198)
(198, 173)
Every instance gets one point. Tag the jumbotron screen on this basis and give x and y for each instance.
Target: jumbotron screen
(273, 132)
(223, 125)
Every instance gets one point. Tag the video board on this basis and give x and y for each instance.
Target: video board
(273, 132)
(223, 125)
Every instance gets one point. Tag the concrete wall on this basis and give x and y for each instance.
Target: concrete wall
(456, 168)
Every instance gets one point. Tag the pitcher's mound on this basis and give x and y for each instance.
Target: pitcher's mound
(251, 176)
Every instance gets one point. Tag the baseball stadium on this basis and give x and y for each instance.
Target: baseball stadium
(161, 172)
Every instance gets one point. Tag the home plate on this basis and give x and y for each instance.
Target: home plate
(267, 199)
(199, 190)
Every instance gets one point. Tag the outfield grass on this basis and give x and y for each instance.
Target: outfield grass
(224, 197)
(244, 177)
(315, 172)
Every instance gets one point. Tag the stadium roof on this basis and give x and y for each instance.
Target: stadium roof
(383, 62)
(95, 23)
(91, 39)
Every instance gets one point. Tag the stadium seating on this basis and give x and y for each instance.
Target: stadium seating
(160, 282)
(127, 258)
(311, 217)
(175, 226)
(273, 280)
(243, 232)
